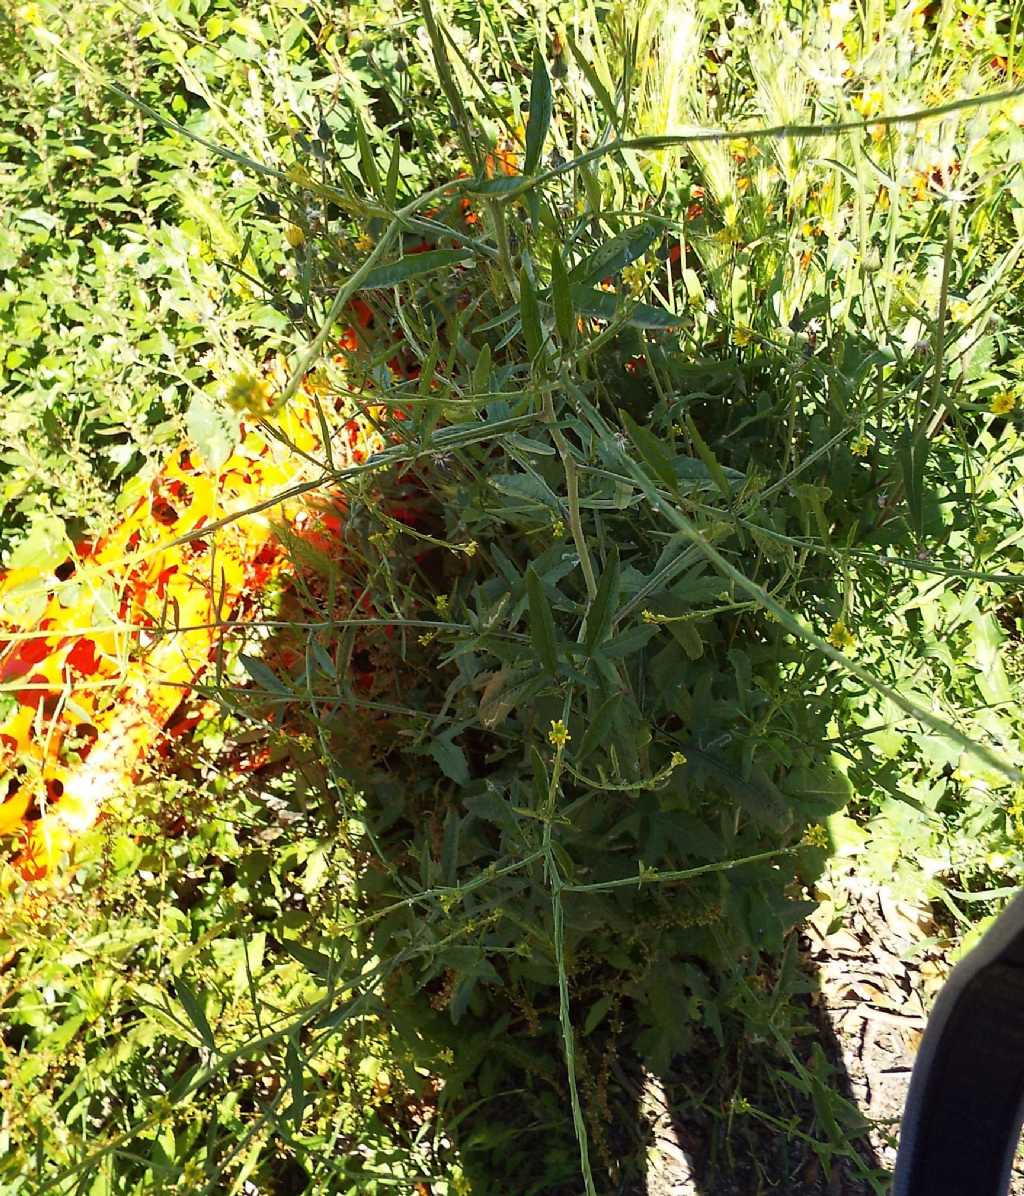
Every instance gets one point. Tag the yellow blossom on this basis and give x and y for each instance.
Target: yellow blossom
(247, 392)
(815, 836)
(868, 103)
(742, 335)
(743, 148)
(1004, 403)
(860, 446)
(635, 276)
(841, 636)
(294, 236)
(559, 735)
(442, 604)
(364, 243)
(677, 759)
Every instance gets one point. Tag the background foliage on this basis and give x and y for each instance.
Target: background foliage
(697, 540)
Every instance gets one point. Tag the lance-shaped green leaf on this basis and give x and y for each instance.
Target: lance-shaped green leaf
(529, 313)
(651, 450)
(413, 266)
(542, 622)
(561, 299)
(709, 459)
(599, 614)
(539, 120)
(192, 1003)
(613, 255)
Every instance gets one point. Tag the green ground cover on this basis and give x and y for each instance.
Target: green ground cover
(699, 546)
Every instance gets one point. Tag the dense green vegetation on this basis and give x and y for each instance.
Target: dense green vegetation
(693, 560)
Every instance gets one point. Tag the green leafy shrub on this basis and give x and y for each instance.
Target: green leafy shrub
(652, 511)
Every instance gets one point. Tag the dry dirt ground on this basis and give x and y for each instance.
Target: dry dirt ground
(878, 964)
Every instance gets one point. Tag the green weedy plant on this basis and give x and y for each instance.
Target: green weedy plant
(633, 510)
(642, 588)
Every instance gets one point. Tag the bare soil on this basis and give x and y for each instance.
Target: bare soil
(876, 965)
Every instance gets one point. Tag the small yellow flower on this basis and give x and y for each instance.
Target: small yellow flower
(742, 335)
(1004, 403)
(248, 393)
(635, 276)
(649, 616)
(860, 446)
(294, 236)
(557, 529)
(470, 548)
(959, 310)
(743, 148)
(815, 836)
(559, 735)
(841, 637)
(677, 759)
(868, 103)
(364, 243)
(443, 603)
(427, 637)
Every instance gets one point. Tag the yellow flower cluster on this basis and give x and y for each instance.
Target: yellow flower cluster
(559, 735)
(634, 276)
(815, 836)
(841, 637)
